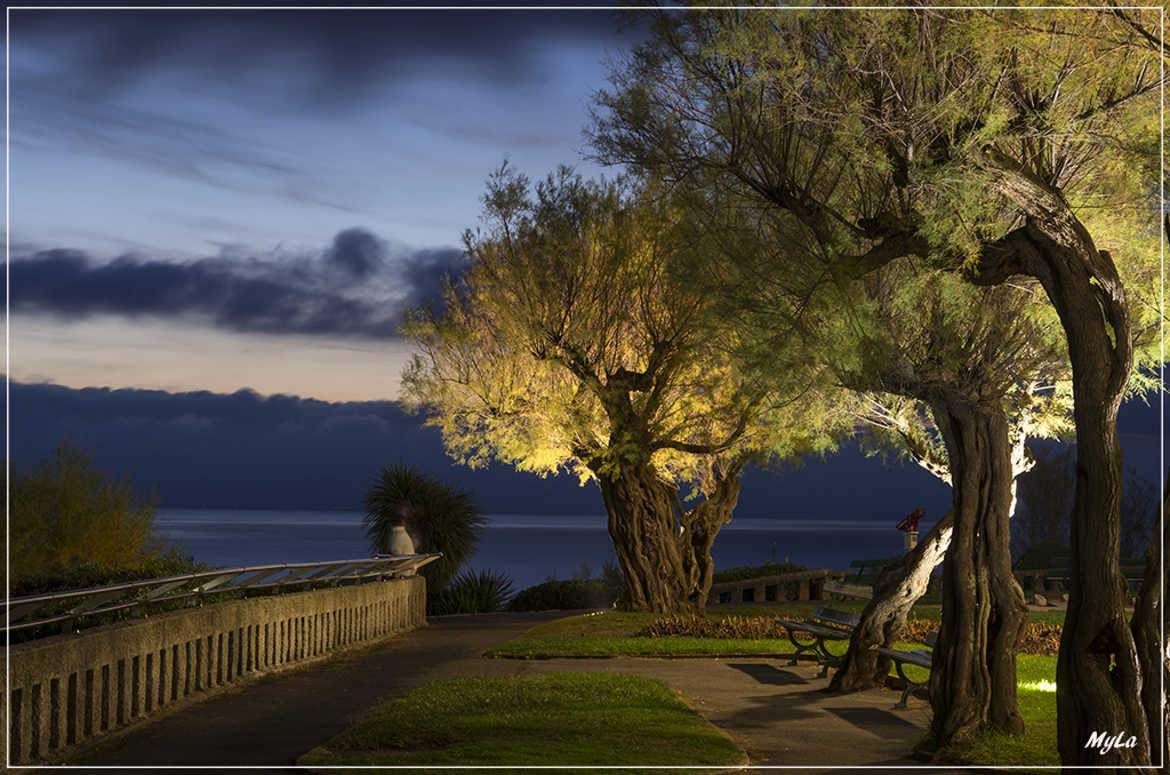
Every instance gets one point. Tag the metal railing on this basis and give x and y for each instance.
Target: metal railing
(23, 613)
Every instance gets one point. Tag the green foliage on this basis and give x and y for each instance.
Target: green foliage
(567, 595)
(843, 142)
(585, 719)
(755, 571)
(65, 514)
(728, 628)
(85, 575)
(471, 593)
(575, 343)
(438, 518)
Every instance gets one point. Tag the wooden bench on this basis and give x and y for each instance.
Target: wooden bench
(861, 565)
(827, 624)
(919, 658)
(840, 590)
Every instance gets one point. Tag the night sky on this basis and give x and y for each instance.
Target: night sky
(217, 219)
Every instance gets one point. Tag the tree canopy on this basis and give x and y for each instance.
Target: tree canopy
(570, 320)
(575, 343)
(1012, 147)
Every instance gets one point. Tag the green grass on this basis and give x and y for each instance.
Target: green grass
(1036, 696)
(611, 634)
(585, 719)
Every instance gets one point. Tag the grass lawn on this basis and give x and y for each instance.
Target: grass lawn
(611, 633)
(588, 719)
(1036, 687)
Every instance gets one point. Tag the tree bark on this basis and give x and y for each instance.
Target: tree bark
(973, 680)
(664, 551)
(1149, 624)
(1098, 676)
(897, 589)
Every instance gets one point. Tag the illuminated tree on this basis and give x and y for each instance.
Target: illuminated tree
(572, 344)
(999, 145)
(65, 514)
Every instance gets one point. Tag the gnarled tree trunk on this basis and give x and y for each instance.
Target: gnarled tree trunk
(1149, 624)
(1098, 675)
(664, 551)
(897, 589)
(973, 680)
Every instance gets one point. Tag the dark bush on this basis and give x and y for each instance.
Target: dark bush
(731, 627)
(472, 593)
(564, 595)
(755, 571)
(173, 563)
(439, 518)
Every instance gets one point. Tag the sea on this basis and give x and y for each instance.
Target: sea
(530, 549)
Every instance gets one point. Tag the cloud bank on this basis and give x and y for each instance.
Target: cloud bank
(353, 288)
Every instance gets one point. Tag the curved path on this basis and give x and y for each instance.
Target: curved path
(777, 713)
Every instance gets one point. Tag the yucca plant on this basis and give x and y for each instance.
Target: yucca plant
(438, 517)
(472, 593)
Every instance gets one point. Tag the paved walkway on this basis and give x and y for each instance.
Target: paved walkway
(776, 712)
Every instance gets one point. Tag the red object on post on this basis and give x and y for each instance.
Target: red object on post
(909, 523)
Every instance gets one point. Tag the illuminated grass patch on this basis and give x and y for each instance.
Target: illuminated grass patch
(585, 719)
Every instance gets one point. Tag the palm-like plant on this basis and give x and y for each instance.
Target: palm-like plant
(438, 517)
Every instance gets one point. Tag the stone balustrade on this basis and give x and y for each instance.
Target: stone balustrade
(809, 586)
(71, 691)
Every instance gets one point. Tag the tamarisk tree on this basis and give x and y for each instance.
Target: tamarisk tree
(967, 357)
(571, 344)
(1006, 146)
(904, 426)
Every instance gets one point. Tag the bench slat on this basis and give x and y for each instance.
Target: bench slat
(837, 617)
(920, 658)
(832, 633)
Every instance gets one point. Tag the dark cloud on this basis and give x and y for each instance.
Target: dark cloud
(424, 272)
(351, 289)
(250, 451)
(357, 252)
(284, 452)
(316, 58)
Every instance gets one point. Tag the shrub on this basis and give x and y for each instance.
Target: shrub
(65, 514)
(439, 518)
(580, 592)
(730, 627)
(563, 595)
(173, 563)
(1038, 638)
(755, 571)
(472, 593)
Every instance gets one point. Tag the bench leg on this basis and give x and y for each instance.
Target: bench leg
(910, 686)
(826, 659)
(801, 648)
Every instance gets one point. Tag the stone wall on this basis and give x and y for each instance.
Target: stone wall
(69, 692)
(808, 584)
